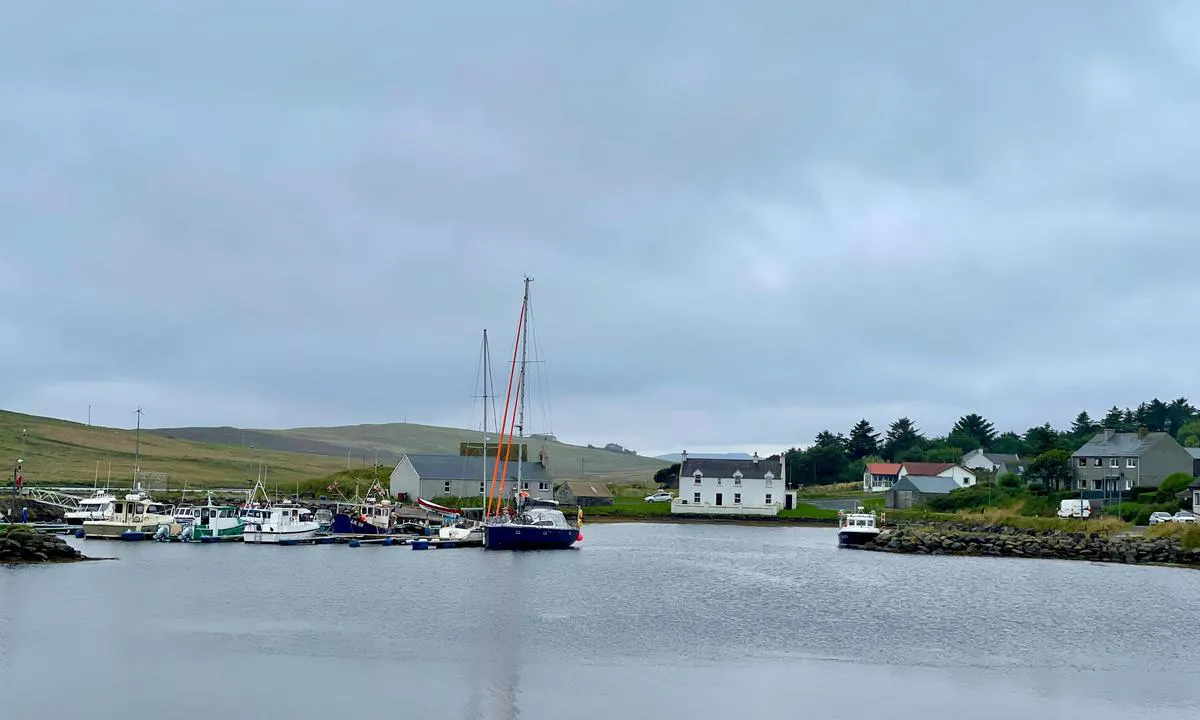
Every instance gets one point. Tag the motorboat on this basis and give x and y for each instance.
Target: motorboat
(857, 528)
(136, 516)
(280, 524)
(213, 523)
(98, 506)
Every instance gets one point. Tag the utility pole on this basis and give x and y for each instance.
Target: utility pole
(89, 415)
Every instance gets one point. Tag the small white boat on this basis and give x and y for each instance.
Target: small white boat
(285, 523)
(136, 514)
(99, 506)
(856, 528)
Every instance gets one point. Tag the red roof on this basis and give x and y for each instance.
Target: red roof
(927, 468)
(883, 468)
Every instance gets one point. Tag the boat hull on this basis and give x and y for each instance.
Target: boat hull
(855, 538)
(528, 537)
(343, 524)
(108, 530)
(266, 537)
(204, 533)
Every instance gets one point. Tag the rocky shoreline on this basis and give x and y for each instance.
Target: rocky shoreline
(19, 544)
(1000, 541)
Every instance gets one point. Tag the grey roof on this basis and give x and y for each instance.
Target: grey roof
(930, 484)
(1017, 467)
(1119, 445)
(726, 467)
(469, 467)
(1002, 457)
(587, 488)
(1194, 452)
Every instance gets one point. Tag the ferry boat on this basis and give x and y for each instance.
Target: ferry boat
(856, 528)
(136, 514)
(99, 506)
(282, 524)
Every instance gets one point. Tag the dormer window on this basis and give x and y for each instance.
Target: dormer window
(769, 475)
(697, 475)
(737, 477)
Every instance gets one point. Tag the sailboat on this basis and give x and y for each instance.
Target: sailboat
(531, 523)
(456, 527)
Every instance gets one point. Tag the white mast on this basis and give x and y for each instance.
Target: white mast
(486, 374)
(521, 386)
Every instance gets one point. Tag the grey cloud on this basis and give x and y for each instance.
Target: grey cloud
(746, 222)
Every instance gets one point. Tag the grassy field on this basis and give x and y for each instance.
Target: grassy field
(58, 452)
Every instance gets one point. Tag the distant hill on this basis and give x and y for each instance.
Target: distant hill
(675, 457)
(387, 442)
(62, 452)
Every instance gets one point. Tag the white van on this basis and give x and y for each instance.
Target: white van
(1074, 508)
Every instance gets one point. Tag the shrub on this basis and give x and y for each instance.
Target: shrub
(1143, 515)
(1171, 486)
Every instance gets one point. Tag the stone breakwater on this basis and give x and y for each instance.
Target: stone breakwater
(21, 545)
(1013, 542)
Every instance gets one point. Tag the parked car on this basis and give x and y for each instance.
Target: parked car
(1158, 518)
(1183, 516)
(660, 496)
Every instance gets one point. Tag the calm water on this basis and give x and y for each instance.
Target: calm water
(643, 621)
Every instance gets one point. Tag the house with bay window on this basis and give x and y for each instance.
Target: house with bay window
(724, 486)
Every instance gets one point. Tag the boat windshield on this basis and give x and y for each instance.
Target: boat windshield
(544, 517)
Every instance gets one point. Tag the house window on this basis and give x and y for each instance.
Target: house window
(1097, 462)
(446, 488)
(1082, 462)
(770, 482)
(737, 481)
(543, 486)
(696, 496)
(768, 499)
(1131, 462)
(737, 498)
(698, 476)
(481, 488)
(525, 485)
(1114, 462)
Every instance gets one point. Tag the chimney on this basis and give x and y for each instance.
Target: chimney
(544, 458)
(1108, 433)
(683, 456)
(1142, 433)
(755, 458)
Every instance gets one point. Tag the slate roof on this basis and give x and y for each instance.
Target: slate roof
(587, 488)
(1119, 445)
(469, 467)
(883, 468)
(1194, 452)
(927, 468)
(928, 484)
(999, 458)
(726, 467)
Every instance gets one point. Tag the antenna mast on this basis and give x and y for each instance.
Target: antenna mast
(521, 391)
(137, 445)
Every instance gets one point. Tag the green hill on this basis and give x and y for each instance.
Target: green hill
(387, 442)
(61, 452)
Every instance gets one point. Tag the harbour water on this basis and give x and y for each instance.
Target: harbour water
(641, 621)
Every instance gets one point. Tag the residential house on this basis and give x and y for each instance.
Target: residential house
(1118, 462)
(726, 486)
(878, 477)
(996, 463)
(912, 490)
(430, 476)
(583, 493)
(960, 474)
(1195, 453)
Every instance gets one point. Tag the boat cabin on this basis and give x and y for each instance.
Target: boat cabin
(543, 517)
(856, 520)
(131, 510)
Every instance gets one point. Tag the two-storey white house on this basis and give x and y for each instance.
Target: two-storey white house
(722, 486)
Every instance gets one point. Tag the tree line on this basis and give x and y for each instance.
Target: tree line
(842, 457)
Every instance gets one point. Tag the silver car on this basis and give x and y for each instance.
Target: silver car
(660, 497)
(1161, 517)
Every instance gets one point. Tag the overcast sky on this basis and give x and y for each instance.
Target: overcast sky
(746, 221)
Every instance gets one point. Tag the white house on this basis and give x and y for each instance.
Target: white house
(961, 475)
(721, 486)
(998, 463)
(880, 477)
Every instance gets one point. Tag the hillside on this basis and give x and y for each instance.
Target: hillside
(60, 452)
(388, 441)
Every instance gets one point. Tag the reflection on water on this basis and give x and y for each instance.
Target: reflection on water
(641, 621)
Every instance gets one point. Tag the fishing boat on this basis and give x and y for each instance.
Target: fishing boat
(97, 506)
(136, 516)
(281, 524)
(530, 523)
(370, 516)
(856, 528)
(213, 523)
